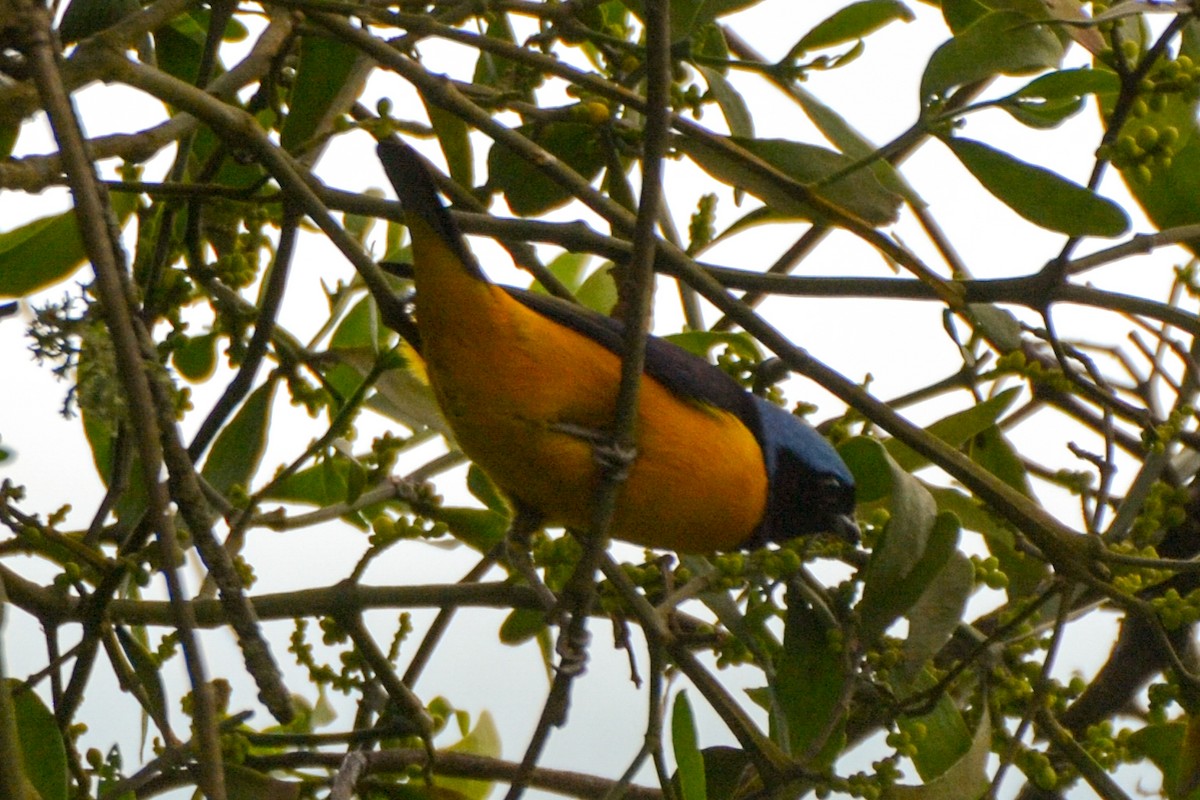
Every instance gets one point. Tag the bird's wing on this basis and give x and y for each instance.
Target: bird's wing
(683, 373)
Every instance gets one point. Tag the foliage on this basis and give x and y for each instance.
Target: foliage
(936, 644)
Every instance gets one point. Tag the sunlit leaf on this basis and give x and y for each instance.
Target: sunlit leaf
(569, 268)
(702, 343)
(599, 290)
(483, 740)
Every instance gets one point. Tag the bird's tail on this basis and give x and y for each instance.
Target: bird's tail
(423, 209)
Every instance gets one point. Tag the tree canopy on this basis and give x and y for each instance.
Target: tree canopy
(204, 302)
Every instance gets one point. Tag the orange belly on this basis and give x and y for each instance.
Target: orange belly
(504, 376)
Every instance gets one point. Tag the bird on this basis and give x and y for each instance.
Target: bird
(528, 384)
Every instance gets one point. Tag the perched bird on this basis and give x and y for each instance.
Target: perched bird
(523, 379)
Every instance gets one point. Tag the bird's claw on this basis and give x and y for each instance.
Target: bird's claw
(613, 458)
(572, 651)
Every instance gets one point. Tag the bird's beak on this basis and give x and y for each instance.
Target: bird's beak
(846, 528)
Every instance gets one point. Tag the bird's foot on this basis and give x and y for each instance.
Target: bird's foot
(613, 458)
(572, 647)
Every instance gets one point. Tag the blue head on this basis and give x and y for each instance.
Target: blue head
(810, 488)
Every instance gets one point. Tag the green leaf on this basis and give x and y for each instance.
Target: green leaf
(689, 762)
(322, 76)
(872, 468)
(599, 291)
(498, 72)
(955, 429)
(1169, 745)
(179, 44)
(1025, 573)
(809, 684)
(1002, 42)
(481, 528)
(46, 251)
(858, 192)
(730, 101)
(916, 544)
(196, 360)
(402, 392)
(941, 736)
(991, 450)
(454, 137)
(9, 132)
(360, 329)
(482, 489)
(483, 741)
(1167, 187)
(998, 324)
(702, 343)
(966, 778)
(82, 18)
(687, 16)
(1043, 197)
(853, 22)
(102, 439)
(243, 783)
(521, 625)
(569, 268)
(939, 609)
(903, 564)
(528, 190)
(961, 14)
(233, 172)
(846, 138)
(322, 484)
(42, 744)
(1046, 101)
(239, 447)
(148, 670)
(725, 770)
